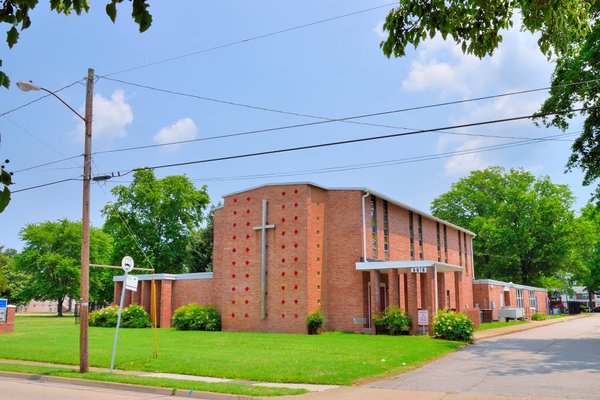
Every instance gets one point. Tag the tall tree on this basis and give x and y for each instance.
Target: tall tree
(569, 30)
(153, 220)
(16, 14)
(51, 259)
(588, 233)
(524, 225)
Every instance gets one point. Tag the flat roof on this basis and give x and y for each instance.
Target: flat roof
(383, 265)
(167, 277)
(362, 189)
(507, 284)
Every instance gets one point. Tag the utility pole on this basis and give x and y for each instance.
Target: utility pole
(85, 228)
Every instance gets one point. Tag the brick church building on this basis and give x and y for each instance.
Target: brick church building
(283, 251)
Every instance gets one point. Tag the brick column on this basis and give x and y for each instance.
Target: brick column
(411, 300)
(164, 303)
(441, 282)
(393, 291)
(458, 278)
(9, 325)
(375, 298)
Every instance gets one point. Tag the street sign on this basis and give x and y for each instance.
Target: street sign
(423, 317)
(418, 270)
(131, 283)
(127, 264)
(3, 303)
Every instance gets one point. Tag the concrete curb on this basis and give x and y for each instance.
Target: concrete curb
(127, 387)
(492, 333)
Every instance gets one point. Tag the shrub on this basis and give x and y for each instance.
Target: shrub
(451, 325)
(393, 321)
(538, 316)
(314, 323)
(194, 317)
(135, 316)
(105, 317)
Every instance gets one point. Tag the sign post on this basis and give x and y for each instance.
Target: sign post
(423, 319)
(128, 283)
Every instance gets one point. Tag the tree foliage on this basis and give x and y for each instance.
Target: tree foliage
(588, 273)
(576, 83)
(16, 14)
(154, 220)
(5, 181)
(524, 226)
(202, 245)
(51, 259)
(476, 25)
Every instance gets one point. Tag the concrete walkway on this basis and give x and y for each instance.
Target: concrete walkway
(317, 392)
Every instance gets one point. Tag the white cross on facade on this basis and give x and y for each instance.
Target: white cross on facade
(263, 254)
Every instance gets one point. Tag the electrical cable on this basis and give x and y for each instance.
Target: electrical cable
(45, 184)
(250, 39)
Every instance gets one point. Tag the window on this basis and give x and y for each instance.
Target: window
(439, 244)
(519, 298)
(374, 226)
(420, 219)
(532, 299)
(386, 231)
(445, 245)
(411, 235)
(459, 250)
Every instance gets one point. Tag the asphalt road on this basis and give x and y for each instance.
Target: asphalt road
(560, 360)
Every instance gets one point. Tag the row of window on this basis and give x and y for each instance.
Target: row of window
(462, 236)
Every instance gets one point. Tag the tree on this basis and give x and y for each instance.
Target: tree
(588, 273)
(575, 83)
(524, 225)
(569, 30)
(476, 25)
(5, 181)
(202, 245)
(51, 258)
(17, 12)
(153, 220)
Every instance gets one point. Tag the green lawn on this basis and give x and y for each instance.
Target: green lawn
(330, 358)
(499, 324)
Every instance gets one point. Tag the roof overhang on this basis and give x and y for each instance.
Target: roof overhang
(405, 266)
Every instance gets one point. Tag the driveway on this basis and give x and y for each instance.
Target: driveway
(560, 361)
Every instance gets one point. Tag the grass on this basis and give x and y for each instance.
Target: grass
(498, 324)
(331, 358)
(173, 384)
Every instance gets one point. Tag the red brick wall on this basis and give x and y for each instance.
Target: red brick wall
(9, 325)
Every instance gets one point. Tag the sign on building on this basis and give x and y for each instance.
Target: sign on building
(418, 270)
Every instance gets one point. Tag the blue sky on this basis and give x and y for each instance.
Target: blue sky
(330, 70)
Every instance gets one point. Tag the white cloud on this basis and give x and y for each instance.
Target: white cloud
(381, 34)
(460, 165)
(183, 129)
(110, 117)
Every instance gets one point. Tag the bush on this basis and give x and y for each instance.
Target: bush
(538, 316)
(314, 323)
(393, 321)
(133, 316)
(451, 325)
(105, 317)
(194, 317)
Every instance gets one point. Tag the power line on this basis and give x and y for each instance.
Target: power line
(48, 163)
(351, 141)
(377, 164)
(325, 120)
(45, 184)
(250, 39)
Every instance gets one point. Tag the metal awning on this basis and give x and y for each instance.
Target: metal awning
(404, 267)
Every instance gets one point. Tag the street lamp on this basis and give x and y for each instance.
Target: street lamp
(85, 215)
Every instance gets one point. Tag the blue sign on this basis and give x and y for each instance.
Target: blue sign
(3, 303)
